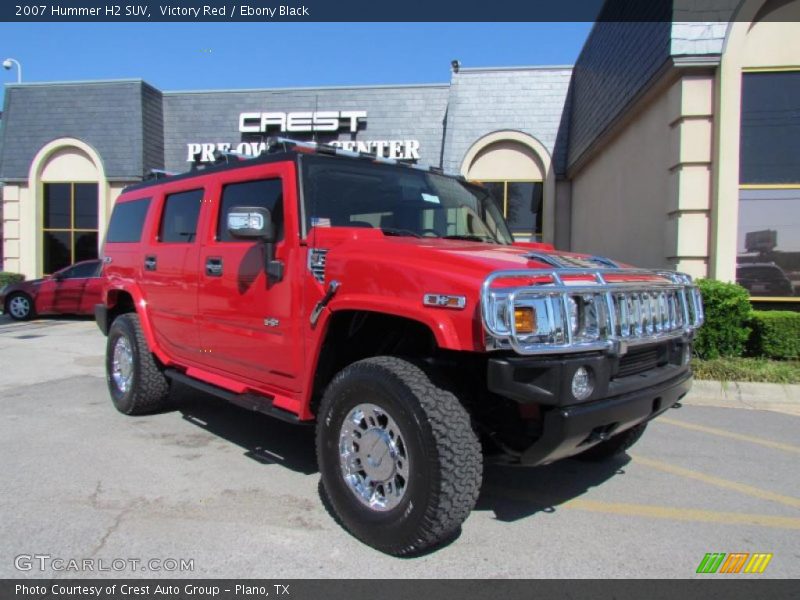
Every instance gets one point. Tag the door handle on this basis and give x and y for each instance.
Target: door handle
(150, 263)
(214, 267)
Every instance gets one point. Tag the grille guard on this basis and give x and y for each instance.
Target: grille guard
(627, 313)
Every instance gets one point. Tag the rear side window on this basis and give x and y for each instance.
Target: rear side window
(265, 193)
(179, 220)
(127, 221)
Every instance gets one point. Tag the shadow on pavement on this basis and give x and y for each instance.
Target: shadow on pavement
(264, 439)
(514, 493)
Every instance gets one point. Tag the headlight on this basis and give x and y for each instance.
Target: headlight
(524, 320)
(536, 318)
(585, 315)
(574, 309)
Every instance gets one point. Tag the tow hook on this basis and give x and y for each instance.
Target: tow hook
(323, 302)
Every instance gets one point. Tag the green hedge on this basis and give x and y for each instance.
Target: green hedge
(7, 277)
(776, 334)
(728, 313)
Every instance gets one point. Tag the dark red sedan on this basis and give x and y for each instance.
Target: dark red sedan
(72, 290)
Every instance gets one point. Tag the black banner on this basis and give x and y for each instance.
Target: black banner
(368, 10)
(258, 589)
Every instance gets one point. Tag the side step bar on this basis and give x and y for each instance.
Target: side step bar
(253, 402)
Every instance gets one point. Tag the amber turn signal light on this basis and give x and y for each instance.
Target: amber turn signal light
(524, 319)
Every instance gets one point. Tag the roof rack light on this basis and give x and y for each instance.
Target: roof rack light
(227, 156)
(159, 174)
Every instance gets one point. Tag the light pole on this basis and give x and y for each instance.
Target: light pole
(9, 62)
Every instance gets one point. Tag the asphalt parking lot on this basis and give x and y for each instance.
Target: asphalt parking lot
(237, 492)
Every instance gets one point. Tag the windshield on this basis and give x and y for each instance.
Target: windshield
(398, 200)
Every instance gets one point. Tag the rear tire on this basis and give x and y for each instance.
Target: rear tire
(400, 463)
(20, 307)
(136, 382)
(613, 446)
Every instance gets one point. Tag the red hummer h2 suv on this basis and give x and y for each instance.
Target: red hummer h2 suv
(389, 305)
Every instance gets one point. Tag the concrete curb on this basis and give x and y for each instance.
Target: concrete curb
(754, 396)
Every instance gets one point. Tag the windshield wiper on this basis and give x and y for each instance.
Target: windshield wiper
(469, 238)
(400, 232)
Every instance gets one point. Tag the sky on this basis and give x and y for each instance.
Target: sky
(192, 56)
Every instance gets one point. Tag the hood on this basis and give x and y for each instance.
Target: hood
(471, 259)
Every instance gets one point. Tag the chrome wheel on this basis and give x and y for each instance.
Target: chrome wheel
(19, 307)
(373, 457)
(122, 364)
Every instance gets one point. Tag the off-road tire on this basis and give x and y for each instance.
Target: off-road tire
(31, 307)
(613, 446)
(149, 388)
(445, 461)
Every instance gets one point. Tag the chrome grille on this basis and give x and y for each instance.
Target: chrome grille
(316, 263)
(588, 309)
(646, 313)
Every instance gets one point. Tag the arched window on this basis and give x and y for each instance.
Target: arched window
(69, 210)
(69, 186)
(508, 164)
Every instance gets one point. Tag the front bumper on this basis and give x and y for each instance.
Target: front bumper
(572, 429)
(621, 398)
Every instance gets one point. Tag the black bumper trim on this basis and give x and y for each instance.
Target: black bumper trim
(547, 381)
(568, 430)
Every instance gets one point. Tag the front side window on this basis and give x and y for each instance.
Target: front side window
(264, 193)
(69, 224)
(82, 271)
(398, 200)
(768, 241)
(179, 219)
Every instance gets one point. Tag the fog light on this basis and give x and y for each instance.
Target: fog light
(582, 384)
(524, 317)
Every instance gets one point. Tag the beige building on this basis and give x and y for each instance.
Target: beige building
(700, 169)
(670, 143)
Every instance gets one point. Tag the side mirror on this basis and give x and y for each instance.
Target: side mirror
(255, 223)
(58, 277)
(251, 222)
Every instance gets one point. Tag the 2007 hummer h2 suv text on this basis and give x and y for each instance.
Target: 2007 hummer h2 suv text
(390, 305)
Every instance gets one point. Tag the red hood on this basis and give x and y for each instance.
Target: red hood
(454, 257)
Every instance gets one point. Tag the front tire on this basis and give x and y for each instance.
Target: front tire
(136, 382)
(400, 463)
(20, 307)
(613, 446)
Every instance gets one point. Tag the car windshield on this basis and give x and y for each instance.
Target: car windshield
(400, 201)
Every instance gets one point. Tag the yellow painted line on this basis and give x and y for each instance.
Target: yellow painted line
(727, 484)
(729, 434)
(651, 511)
(683, 514)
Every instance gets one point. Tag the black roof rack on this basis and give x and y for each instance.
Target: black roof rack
(159, 174)
(276, 147)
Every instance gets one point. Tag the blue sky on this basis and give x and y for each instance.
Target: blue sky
(180, 56)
